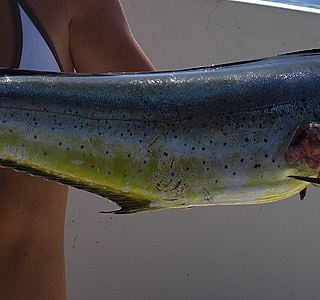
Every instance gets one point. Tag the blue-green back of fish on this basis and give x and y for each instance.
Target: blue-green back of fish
(211, 135)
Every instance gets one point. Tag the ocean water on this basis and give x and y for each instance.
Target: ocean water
(303, 3)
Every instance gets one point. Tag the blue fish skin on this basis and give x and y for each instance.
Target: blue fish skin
(226, 134)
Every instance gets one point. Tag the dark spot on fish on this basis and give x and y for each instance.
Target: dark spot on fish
(273, 160)
(60, 144)
(203, 148)
(204, 162)
(234, 173)
(266, 155)
(187, 169)
(226, 166)
(224, 144)
(34, 136)
(82, 147)
(93, 166)
(265, 140)
(256, 166)
(193, 148)
(165, 154)
(246, 139)
(242, 160)
(129, 155)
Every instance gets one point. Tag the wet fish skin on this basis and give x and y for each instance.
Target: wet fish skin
(205, 136)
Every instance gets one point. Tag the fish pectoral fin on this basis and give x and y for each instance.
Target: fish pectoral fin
(313, 180)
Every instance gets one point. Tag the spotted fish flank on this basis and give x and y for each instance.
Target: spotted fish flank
(227, 134)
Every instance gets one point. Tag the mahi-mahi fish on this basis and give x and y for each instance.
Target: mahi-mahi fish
(236, 133)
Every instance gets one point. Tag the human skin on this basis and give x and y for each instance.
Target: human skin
(89, 36)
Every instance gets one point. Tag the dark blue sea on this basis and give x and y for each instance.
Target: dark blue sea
(304, 3)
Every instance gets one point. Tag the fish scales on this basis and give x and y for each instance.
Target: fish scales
(204, 136)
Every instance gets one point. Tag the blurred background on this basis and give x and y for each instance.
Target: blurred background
(269, 251)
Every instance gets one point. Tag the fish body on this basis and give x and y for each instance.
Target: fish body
(226, 134)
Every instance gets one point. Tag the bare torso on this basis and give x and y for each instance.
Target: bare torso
(55, 16)
(89, 36)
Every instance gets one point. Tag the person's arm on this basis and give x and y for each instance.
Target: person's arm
(101, 41)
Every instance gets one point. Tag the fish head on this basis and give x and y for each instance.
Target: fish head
(305, 145)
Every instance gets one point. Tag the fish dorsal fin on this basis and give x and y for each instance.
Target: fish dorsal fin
(20, 72)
